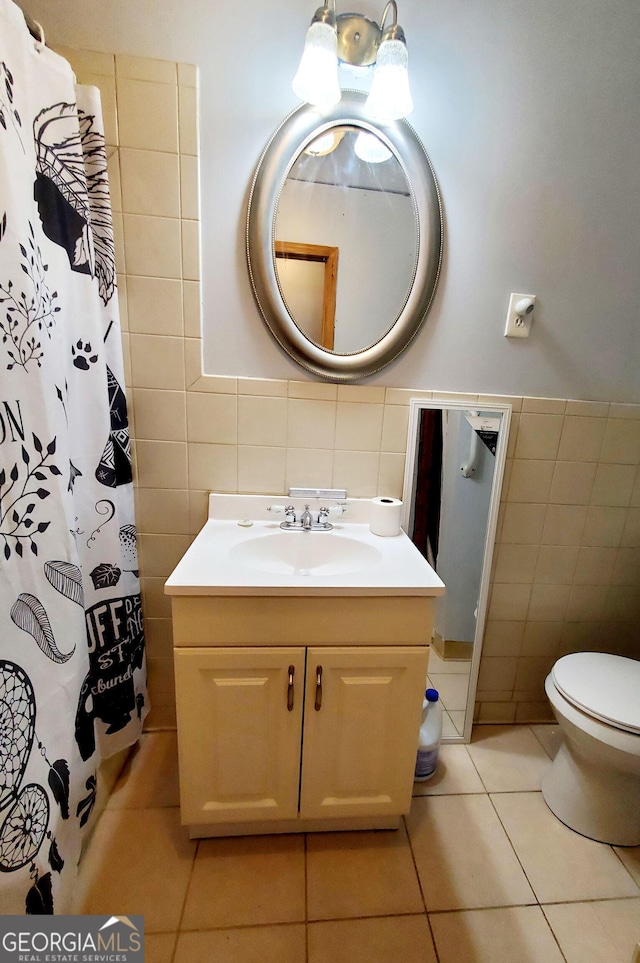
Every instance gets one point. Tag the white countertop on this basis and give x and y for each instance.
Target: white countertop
(214, 564)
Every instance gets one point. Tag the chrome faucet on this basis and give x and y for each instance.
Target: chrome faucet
(306, 522)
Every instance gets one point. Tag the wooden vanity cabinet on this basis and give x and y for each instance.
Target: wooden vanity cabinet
(304, 735)
(239, 745)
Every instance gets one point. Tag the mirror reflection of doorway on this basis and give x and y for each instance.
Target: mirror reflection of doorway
(455, 461)
(308, 276)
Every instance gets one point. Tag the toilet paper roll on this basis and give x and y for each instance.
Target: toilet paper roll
(385, 516)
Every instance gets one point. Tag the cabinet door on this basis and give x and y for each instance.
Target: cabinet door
(239, 742)
(359, 746)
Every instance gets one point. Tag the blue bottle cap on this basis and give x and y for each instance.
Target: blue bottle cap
(432, 695)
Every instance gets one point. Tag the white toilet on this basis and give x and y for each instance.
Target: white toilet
(593, 785)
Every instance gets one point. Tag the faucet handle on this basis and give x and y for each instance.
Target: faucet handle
(323, 515)
(335, 511)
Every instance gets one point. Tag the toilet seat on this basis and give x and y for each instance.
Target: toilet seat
(604, 686)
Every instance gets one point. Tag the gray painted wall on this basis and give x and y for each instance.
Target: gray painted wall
(529, 112)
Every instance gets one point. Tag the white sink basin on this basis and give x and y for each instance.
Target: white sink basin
(306, 553)
(243, 551)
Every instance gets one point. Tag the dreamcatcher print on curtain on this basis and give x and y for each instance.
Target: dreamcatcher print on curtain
(72, 662)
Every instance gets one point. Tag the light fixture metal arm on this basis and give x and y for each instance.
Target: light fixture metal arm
(326, 13)
(394, 31)
(394, 5)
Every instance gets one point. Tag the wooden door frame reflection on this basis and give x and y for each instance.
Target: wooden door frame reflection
(329, 256)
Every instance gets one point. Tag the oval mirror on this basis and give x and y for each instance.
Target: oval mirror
(344, 238)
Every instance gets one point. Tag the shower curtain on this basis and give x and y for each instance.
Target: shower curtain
(72, 663)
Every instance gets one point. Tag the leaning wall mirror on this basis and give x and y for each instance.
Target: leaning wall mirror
(344, 238)
(453, 477)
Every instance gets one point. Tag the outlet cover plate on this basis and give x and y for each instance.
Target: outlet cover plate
(517, 326)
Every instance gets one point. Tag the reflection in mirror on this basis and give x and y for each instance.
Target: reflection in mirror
(308, 274)
(347, 191)
(453, 477)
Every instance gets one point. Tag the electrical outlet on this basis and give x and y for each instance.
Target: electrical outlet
(518, 322)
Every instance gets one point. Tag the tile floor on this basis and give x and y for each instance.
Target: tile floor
(479, 872)
(451, 678)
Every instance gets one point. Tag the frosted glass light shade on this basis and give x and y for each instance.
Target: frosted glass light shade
(325, 143)
(390, 97)
(316, 81)
(370, 149)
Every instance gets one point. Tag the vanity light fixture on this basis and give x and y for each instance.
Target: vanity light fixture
(371, 150)
(324, 144)
(356, 40)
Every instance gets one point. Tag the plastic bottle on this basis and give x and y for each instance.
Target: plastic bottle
(429, 738)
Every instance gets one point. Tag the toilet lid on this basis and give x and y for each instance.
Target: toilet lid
(604, 686)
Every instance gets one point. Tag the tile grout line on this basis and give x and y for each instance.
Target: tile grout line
(548, 922)
(328, 919)
(539, 740)
(466, 745)
(504, 829)
(175, 946)
(538, 904)
(482, 909)
(246, 926)
(594, 899)
(185, 897)
(424, 903)
(406, 914)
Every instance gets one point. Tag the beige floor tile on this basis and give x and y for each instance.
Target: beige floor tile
(458, 719)
(388, 939)
(514, 935)
(508, 758)
(256, 944)
(138, 861)
(360, 874)
(630, 856)
(159, 947)
(449, 728)
(559, 863)
(463, 854)
(150, 777)
(598, 932)
(246, 880)
(448, 666)
(550, 737)
(455, 774)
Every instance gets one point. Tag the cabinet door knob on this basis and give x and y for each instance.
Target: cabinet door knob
(292, 672)
(318, 702)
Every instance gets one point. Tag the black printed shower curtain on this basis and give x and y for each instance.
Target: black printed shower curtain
(72, 666)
